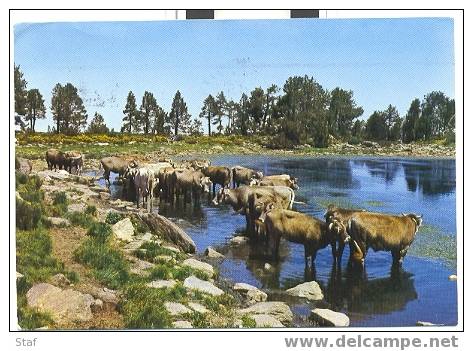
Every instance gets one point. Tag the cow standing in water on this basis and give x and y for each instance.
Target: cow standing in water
(382, 232)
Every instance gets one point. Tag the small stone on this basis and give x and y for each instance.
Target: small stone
(124, 230)
(200, 266)
(104, 195)
(76, 207)
(210, 252)
(19, 276)
(266, 321)
(277, 309)
(58, 222)
(63, 305)
(452, 277)
(267, 267)
(194, 283)
(60, 280)
(238, 240)
(244, 287)
(330, 318)
(257, 295)
(182, 324)
(176, 309)
(309, 290)
(160, 284)
(198, 307)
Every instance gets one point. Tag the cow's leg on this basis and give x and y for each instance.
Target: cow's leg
(106, 176)
(213, 188)
(333, 244)
(397, 259)
(277, 240)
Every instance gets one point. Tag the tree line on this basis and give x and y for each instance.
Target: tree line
(299, 112)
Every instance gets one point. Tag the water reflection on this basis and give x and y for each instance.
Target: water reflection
(351, 290)
(432, 178)
(380, 168)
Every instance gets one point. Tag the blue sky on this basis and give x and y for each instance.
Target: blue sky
(384, 61)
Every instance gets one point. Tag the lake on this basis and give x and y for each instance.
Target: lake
(376, 297)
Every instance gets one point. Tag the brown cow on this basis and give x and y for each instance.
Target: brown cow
(277, 180)
(73, 159)
(55, 159)
(218, 175)
(190, 183)
(243, 175)
(382, 232)
(116, 165)
(250, 201)
(342, 215)
(303, 229)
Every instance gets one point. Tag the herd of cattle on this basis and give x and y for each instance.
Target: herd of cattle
(265, 200)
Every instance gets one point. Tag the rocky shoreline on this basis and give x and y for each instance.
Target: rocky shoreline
(77, 305)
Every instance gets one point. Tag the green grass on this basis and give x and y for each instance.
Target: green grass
(170, 271)
(113, 217)
(30, 318)
(248, 322)
(153, 249)
(81, 219)
(101, 232)
(143, 307)
(33, 256)
(342, 202)
(107, 263)
(432, 242)
(91, 210)
(375, 203)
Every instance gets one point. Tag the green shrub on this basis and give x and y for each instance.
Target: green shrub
(33, 256)
(109, 265)
(139, 225)
(81, 219)
(28, 214)
(91, 210)
(101, 232)
(152, 249)
(60, 198)
(143, 307)
(248, 322)
(168, 271)
(30, 318)
(113, 217)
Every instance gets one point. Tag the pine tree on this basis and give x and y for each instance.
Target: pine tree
(35, 107)
(179, 119)
(208, 111)
(147, 110)
(20, 95)
(131, 114)
(68, 109)
(97, 125)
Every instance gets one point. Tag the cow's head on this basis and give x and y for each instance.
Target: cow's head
(338, 230)
(132, 164)
(267, 208)
(331, 213)
(293, 184)
(205, 184)
(253, 182)
(416, 218)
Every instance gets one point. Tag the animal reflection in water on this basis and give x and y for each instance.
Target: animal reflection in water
(353, 291)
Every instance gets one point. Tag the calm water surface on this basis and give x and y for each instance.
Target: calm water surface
(375, 298)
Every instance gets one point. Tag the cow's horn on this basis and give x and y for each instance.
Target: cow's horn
(404, 214)
(330, 226)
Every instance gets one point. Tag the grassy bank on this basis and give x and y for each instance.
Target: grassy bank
(34, 146)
